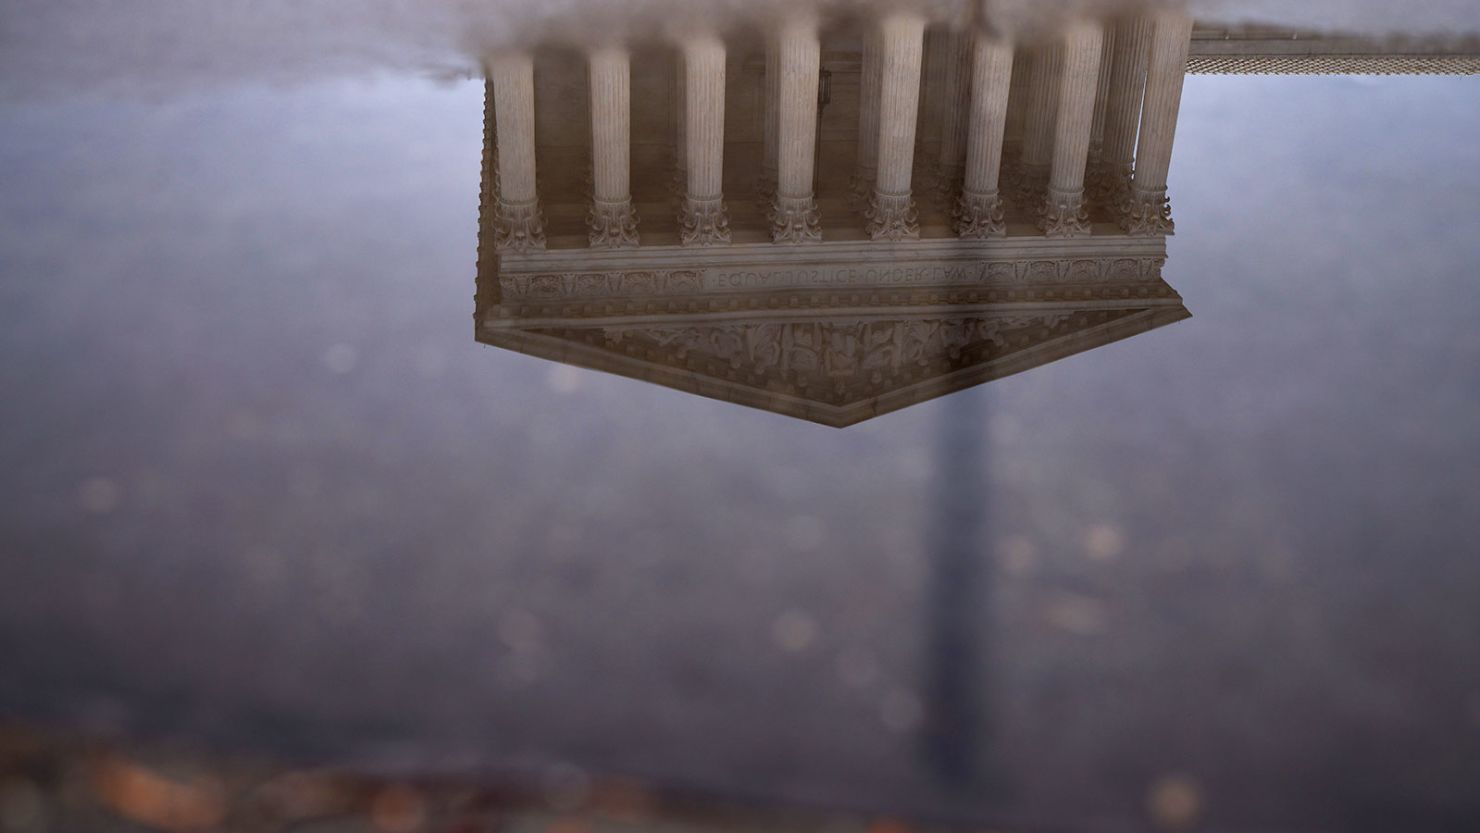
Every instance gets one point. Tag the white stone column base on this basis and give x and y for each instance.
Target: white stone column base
(979, 216)
(893, 217)
(1147, 213)
(1063, 214)
(518, 227)
(612, 225)
(704, 222)
(795, 220)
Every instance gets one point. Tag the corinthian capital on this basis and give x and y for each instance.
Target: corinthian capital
(1063, 214)
(613, 225)
(518, 227)
(704, 222)
(1147, 213)
(979, 216)
(893, 217)
(795, 220)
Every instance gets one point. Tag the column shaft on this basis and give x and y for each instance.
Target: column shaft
(612, 221)
(770, 123)
(1171, 37)
(704, 220)
(868, 114)
(1102, 93)
(1064, 214)
(979, 210)
(518, 225)
(794, 218)
(892, 213)
(1127, 87)
(680, 130)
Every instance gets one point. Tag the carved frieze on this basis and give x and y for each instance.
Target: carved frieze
(837, 361)
(1118, 277)
(595, 284)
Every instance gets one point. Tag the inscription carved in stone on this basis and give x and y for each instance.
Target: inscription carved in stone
(1026, 272)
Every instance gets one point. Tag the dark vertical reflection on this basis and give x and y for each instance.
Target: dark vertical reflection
(957, 595)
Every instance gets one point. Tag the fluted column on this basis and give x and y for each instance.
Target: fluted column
(1127, 86)
(1064, 214)
(1148, 211)
(679, 186)
(979, 209)
(892, 214)
(518, 223)
(770, 124)
(794, 218)
(1102, 94)
(612, 221)
(868, 115)
(703, 220)
(954, 113)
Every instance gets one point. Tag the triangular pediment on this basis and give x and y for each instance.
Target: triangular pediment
(834, 333)
(834, 369)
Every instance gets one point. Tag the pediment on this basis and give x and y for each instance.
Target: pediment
(834, 369)
(836, 333)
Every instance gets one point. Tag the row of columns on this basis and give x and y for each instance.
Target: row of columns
(1101, 113)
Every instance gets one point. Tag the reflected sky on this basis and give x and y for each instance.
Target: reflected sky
(150, 48)
(246, 418)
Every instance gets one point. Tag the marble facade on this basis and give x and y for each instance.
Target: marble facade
(839, 216)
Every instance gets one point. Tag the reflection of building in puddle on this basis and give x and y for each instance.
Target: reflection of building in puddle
(837, 218)
(847, 341)
(832, 221)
